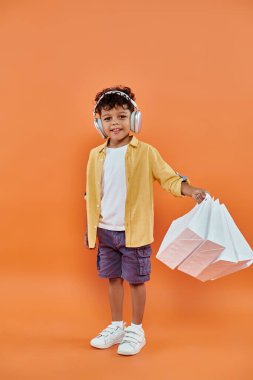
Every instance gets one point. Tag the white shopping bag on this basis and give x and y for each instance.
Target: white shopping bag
(187, 233)
(242, 250)
(212, 246)
(227, 259)
(205, 243)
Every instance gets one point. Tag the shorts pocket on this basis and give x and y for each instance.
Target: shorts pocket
(143, 256)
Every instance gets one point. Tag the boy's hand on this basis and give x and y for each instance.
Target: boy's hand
(85, 240)
(195, 192)
(198, 194)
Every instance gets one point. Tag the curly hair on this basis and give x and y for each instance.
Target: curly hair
(109, 101)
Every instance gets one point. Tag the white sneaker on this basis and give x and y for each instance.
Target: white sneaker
(132, 342)
(111, 335)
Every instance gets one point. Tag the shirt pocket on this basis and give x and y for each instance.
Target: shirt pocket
(143, 255)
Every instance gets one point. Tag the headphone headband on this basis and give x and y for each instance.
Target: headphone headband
(114, 92)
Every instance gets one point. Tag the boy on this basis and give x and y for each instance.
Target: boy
(119, 202)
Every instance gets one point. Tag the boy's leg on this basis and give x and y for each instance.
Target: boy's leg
(116, 295)
(134, 339)
(114, 332)
(138, 294)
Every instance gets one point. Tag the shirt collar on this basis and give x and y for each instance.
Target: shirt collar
(134, 142)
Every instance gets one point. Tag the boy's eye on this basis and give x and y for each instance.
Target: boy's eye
(108, 118)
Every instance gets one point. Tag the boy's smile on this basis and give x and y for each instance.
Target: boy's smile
(116, 124)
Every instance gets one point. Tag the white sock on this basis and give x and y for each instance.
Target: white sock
(118, 323)
(135, 325)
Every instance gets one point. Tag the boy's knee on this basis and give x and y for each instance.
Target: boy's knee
(116, 279)
(138, 284)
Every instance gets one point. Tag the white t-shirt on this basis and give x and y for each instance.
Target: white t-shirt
(112, 213)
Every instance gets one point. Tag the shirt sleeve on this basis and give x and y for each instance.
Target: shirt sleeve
(169, 179)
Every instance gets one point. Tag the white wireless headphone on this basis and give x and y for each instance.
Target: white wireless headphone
(135, 124)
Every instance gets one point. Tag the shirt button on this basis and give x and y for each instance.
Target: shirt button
(97, 205)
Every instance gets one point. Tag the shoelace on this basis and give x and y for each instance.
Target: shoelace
(131, 336)
(109, 330)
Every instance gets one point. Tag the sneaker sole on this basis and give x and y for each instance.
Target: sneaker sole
(134, 352)
(108, 345)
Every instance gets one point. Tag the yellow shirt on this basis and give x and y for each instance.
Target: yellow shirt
(144, 165)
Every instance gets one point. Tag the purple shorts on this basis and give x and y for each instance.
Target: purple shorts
(116, 260)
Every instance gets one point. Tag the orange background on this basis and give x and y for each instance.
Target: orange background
(190, 65)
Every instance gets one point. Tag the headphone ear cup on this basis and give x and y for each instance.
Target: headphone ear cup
(132, 122)
(99, 127)
(136, 121)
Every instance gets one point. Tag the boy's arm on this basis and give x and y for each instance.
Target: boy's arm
(88, 170)
(169, 180)
(86, 242)
(172, 181)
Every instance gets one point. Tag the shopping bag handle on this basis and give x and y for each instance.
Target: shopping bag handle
(208, 196)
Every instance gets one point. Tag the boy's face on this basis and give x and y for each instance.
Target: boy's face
(116, 124)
